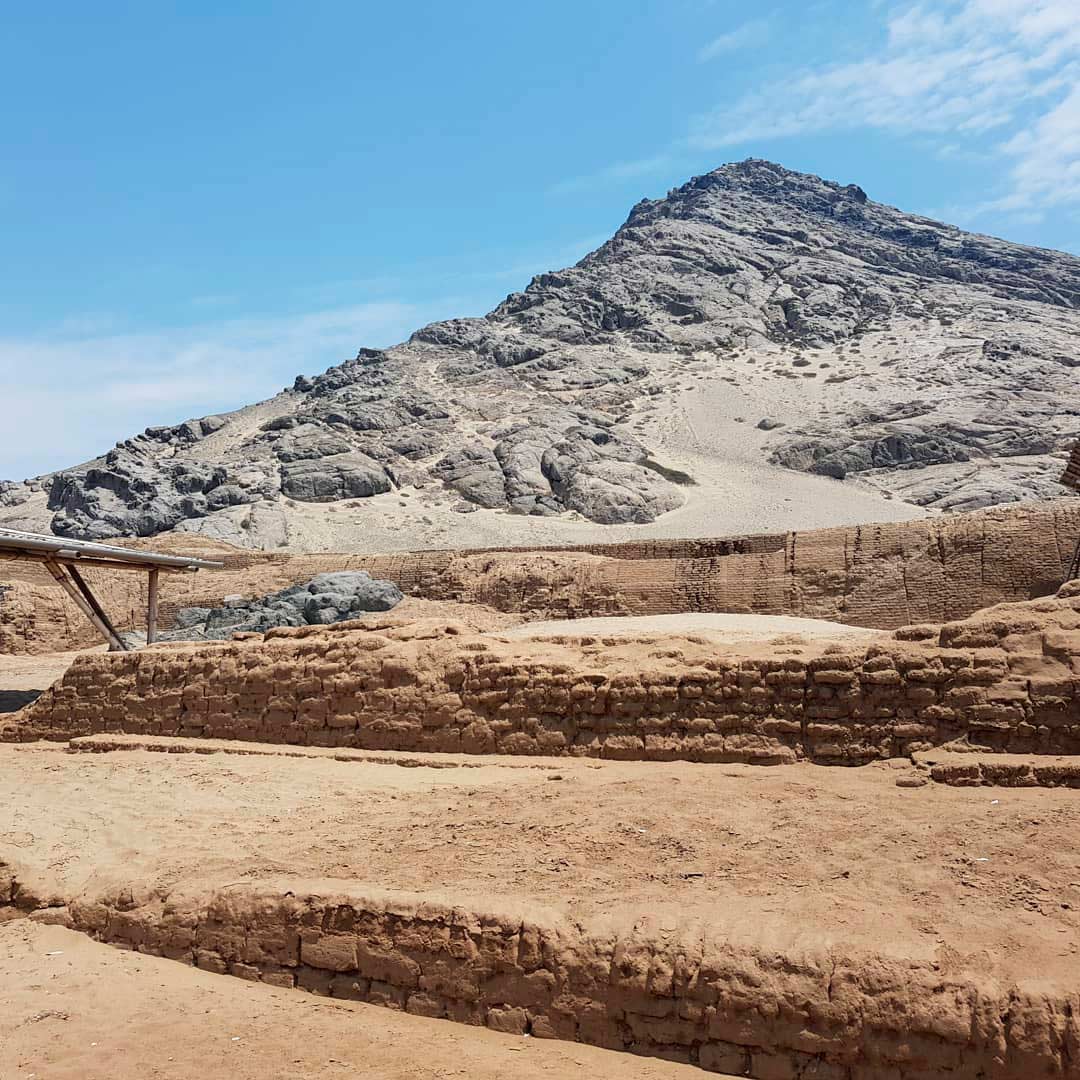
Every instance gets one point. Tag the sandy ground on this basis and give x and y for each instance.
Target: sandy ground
(723, 628)
(725, 501)
(36, 672)
(788, 857)
(22, 678)
(71, 1009)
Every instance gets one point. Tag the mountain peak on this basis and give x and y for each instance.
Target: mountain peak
(926, 366)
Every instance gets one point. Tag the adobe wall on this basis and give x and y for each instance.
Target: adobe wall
(38, 618)
(880, 576)
(694, 992)
(1072, 470)
(1009, 679)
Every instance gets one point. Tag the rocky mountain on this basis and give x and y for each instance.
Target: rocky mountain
(756, 324)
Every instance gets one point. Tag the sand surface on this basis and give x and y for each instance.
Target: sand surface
(22, 678)
(165, 1020)
(36, 672)
(727, 628)
(792, 857)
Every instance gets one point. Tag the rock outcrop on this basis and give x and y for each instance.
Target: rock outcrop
(325, 599)
(934, 365)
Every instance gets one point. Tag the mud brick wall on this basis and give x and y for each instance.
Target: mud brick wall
(36, 620)
(974, 770)
(881, 576)
(1072, 470)
(1009, 679)
(690, 992)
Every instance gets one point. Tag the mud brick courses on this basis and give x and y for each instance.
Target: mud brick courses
(695, 992)
(34, 619)
(881, 576)
(1008, 678)
(1072, 470)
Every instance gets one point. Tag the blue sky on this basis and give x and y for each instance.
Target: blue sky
(197, 204)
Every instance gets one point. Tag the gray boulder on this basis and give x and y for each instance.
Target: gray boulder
(327, 598)
(475, 473)
(340, 476)
(608, 490)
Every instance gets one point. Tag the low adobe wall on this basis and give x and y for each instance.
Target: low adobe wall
(1072, 470)
(1009, 678)
(690, 991)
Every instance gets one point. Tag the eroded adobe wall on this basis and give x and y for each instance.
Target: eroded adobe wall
(881, 576)
(693, 992)
(38, 619)
(1009, 679)
(1072, 470)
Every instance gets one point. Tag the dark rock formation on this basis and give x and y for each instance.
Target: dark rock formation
(327, 598)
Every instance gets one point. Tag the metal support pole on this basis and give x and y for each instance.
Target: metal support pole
(151, 607)
(92, 600)
(103, 625)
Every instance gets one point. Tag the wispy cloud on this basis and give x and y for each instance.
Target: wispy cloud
(962, 70)
(1046, 169)
(71, 396)
(621, 170)
(742, 37)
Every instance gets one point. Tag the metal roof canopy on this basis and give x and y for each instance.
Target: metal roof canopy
(60, 555)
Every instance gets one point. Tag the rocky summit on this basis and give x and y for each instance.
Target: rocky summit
(759, 336)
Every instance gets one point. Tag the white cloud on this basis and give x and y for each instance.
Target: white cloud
(1046, 169)
(742, 37)
(621, 170)
(71, 396)
(962, 70)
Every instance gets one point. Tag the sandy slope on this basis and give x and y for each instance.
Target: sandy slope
(705, 428)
